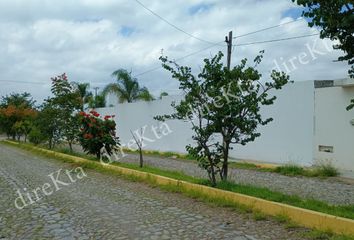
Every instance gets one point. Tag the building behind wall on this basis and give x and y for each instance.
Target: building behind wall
(334, 126)
(310, 125)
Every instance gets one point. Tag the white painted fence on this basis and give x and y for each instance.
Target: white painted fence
(304, 118)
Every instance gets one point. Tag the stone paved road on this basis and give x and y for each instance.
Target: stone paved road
(102, 206)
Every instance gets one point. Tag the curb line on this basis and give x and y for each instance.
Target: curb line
(300, 216)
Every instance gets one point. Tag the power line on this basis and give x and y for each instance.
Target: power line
(181, 58)
(276, 40)
(234, 45)
(171, 24)
(15, 81)
(268, 28)
(194, 53)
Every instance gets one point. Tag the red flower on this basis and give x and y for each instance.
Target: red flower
(107, 117)
(94, 113)
(88, 136)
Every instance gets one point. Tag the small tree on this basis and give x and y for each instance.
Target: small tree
(16, 111)
(139, 144)
(223, 106)
(48, 123)
(67, 101)
(35, 136)
(96, 133)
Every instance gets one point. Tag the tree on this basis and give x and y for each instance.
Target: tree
(22, 128)
(16, 110)
(163, 94)
(57, 119)
(24, 100)
(223, 107)
(48, 124)
(67, 101)
(336, 20)
(36, 136)
(84, 94)
(98, 101)
(96, 133)
(127, 88)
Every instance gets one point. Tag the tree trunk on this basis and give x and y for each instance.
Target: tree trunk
(98, 155)
(50, 143)
(212, 176)
(70, 146)
(141, 158)
(225, 164)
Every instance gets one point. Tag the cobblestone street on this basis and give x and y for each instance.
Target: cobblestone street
(101, 206)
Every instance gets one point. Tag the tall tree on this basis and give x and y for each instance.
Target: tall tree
(84, 93)
(57, 119)
(223, 107)
(127, 88)
(16, 111)
(98, 101)
(335, 18)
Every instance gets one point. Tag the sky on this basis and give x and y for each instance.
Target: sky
(89, 39)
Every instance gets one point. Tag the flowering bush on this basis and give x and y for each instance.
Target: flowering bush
(96, 133)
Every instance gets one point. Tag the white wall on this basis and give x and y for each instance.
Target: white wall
(289, 138)
(133, 116)
(332, 126)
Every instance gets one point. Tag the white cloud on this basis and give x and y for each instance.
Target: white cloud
(39, 39)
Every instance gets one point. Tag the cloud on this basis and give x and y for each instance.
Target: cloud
(90, 39)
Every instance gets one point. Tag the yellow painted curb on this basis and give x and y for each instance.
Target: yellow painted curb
(303, 217)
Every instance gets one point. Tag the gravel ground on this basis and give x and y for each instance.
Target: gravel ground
(332, 192)
(99, 206)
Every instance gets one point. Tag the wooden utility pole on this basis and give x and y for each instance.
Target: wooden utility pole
(228, 40)
(224, 170)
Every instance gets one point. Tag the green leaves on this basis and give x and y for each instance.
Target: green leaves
(127, 88)
(223, 107)
(96, 133)
(336, 21)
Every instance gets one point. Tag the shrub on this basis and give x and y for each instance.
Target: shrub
(35, 136)
(291, 170)
(96, 133)
(325, 169)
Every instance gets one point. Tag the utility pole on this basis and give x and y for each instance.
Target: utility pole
(95, 100)
(228, 40)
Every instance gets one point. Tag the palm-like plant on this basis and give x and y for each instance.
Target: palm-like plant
(84, 93)
(127, 88)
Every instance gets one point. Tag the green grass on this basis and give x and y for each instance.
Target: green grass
(320, 235)
(290, 170)
(264, 193)
(259, 216)
(320, 170)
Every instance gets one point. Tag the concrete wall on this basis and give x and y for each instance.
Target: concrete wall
(289, 138)
(134, 116)
(333, 127)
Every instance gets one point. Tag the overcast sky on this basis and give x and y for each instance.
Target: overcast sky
(89, 39)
